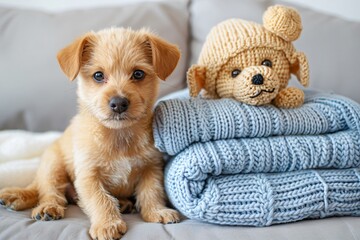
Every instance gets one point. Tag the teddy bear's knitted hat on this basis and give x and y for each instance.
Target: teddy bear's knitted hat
(282, 25)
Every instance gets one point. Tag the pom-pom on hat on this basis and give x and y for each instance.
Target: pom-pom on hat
(284, 22)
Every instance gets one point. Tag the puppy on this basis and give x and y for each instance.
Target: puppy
(107, 152)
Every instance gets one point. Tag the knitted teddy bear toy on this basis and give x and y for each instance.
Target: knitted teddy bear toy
(252, 63)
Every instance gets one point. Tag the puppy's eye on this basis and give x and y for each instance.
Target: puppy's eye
(138, 75)
(267, 63)
(99, 77)
(235, 72)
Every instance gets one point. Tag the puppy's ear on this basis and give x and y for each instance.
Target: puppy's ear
(70, 57)
(196, 76)
(165, 56)
(301, 68)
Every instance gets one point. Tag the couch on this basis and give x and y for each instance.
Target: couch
(37, 97)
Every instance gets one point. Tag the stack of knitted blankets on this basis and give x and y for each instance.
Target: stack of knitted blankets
(237, 164)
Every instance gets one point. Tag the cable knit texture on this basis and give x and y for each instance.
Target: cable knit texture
(237, 164)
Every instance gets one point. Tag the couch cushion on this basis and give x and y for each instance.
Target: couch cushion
(330, 43)
(75, 225)
(35, 93)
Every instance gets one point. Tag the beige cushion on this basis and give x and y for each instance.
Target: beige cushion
(75, 225)
(35, 94)
(330, 43)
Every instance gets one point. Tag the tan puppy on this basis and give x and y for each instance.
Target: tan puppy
(107, 152)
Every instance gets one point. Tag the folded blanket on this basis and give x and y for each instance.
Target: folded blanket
(20, 153)
(243, 165)
(179, 123)
(263, 199)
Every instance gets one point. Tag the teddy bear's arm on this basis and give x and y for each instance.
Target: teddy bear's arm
(289, 98)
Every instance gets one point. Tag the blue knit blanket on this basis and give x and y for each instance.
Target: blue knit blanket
(237, 164)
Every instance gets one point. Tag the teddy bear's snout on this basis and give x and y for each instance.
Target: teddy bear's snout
(258, 76)
(256, 85)
(258, 79)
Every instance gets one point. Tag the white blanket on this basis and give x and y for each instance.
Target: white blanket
(20, 153)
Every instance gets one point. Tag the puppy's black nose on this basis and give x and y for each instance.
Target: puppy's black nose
(119, 104)
(257, 79)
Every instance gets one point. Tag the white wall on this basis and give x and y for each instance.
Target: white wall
(348, 9)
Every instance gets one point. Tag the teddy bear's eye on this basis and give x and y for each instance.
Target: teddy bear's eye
(235, 72)
(267, 63)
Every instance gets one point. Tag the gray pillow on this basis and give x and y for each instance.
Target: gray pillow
(35, 94)
(331, 44)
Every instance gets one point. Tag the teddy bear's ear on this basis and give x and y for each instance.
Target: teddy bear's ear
(301, 68)
(283, 21)
(196, 76)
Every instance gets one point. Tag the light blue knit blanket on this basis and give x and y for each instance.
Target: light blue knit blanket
(237, 164)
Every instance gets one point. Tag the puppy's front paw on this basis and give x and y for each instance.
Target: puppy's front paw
(109, 230)
(48, 212)
(164, 215)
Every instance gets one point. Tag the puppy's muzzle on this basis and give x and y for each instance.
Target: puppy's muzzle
(119, 104)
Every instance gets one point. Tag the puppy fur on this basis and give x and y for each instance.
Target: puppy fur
(108, 156)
